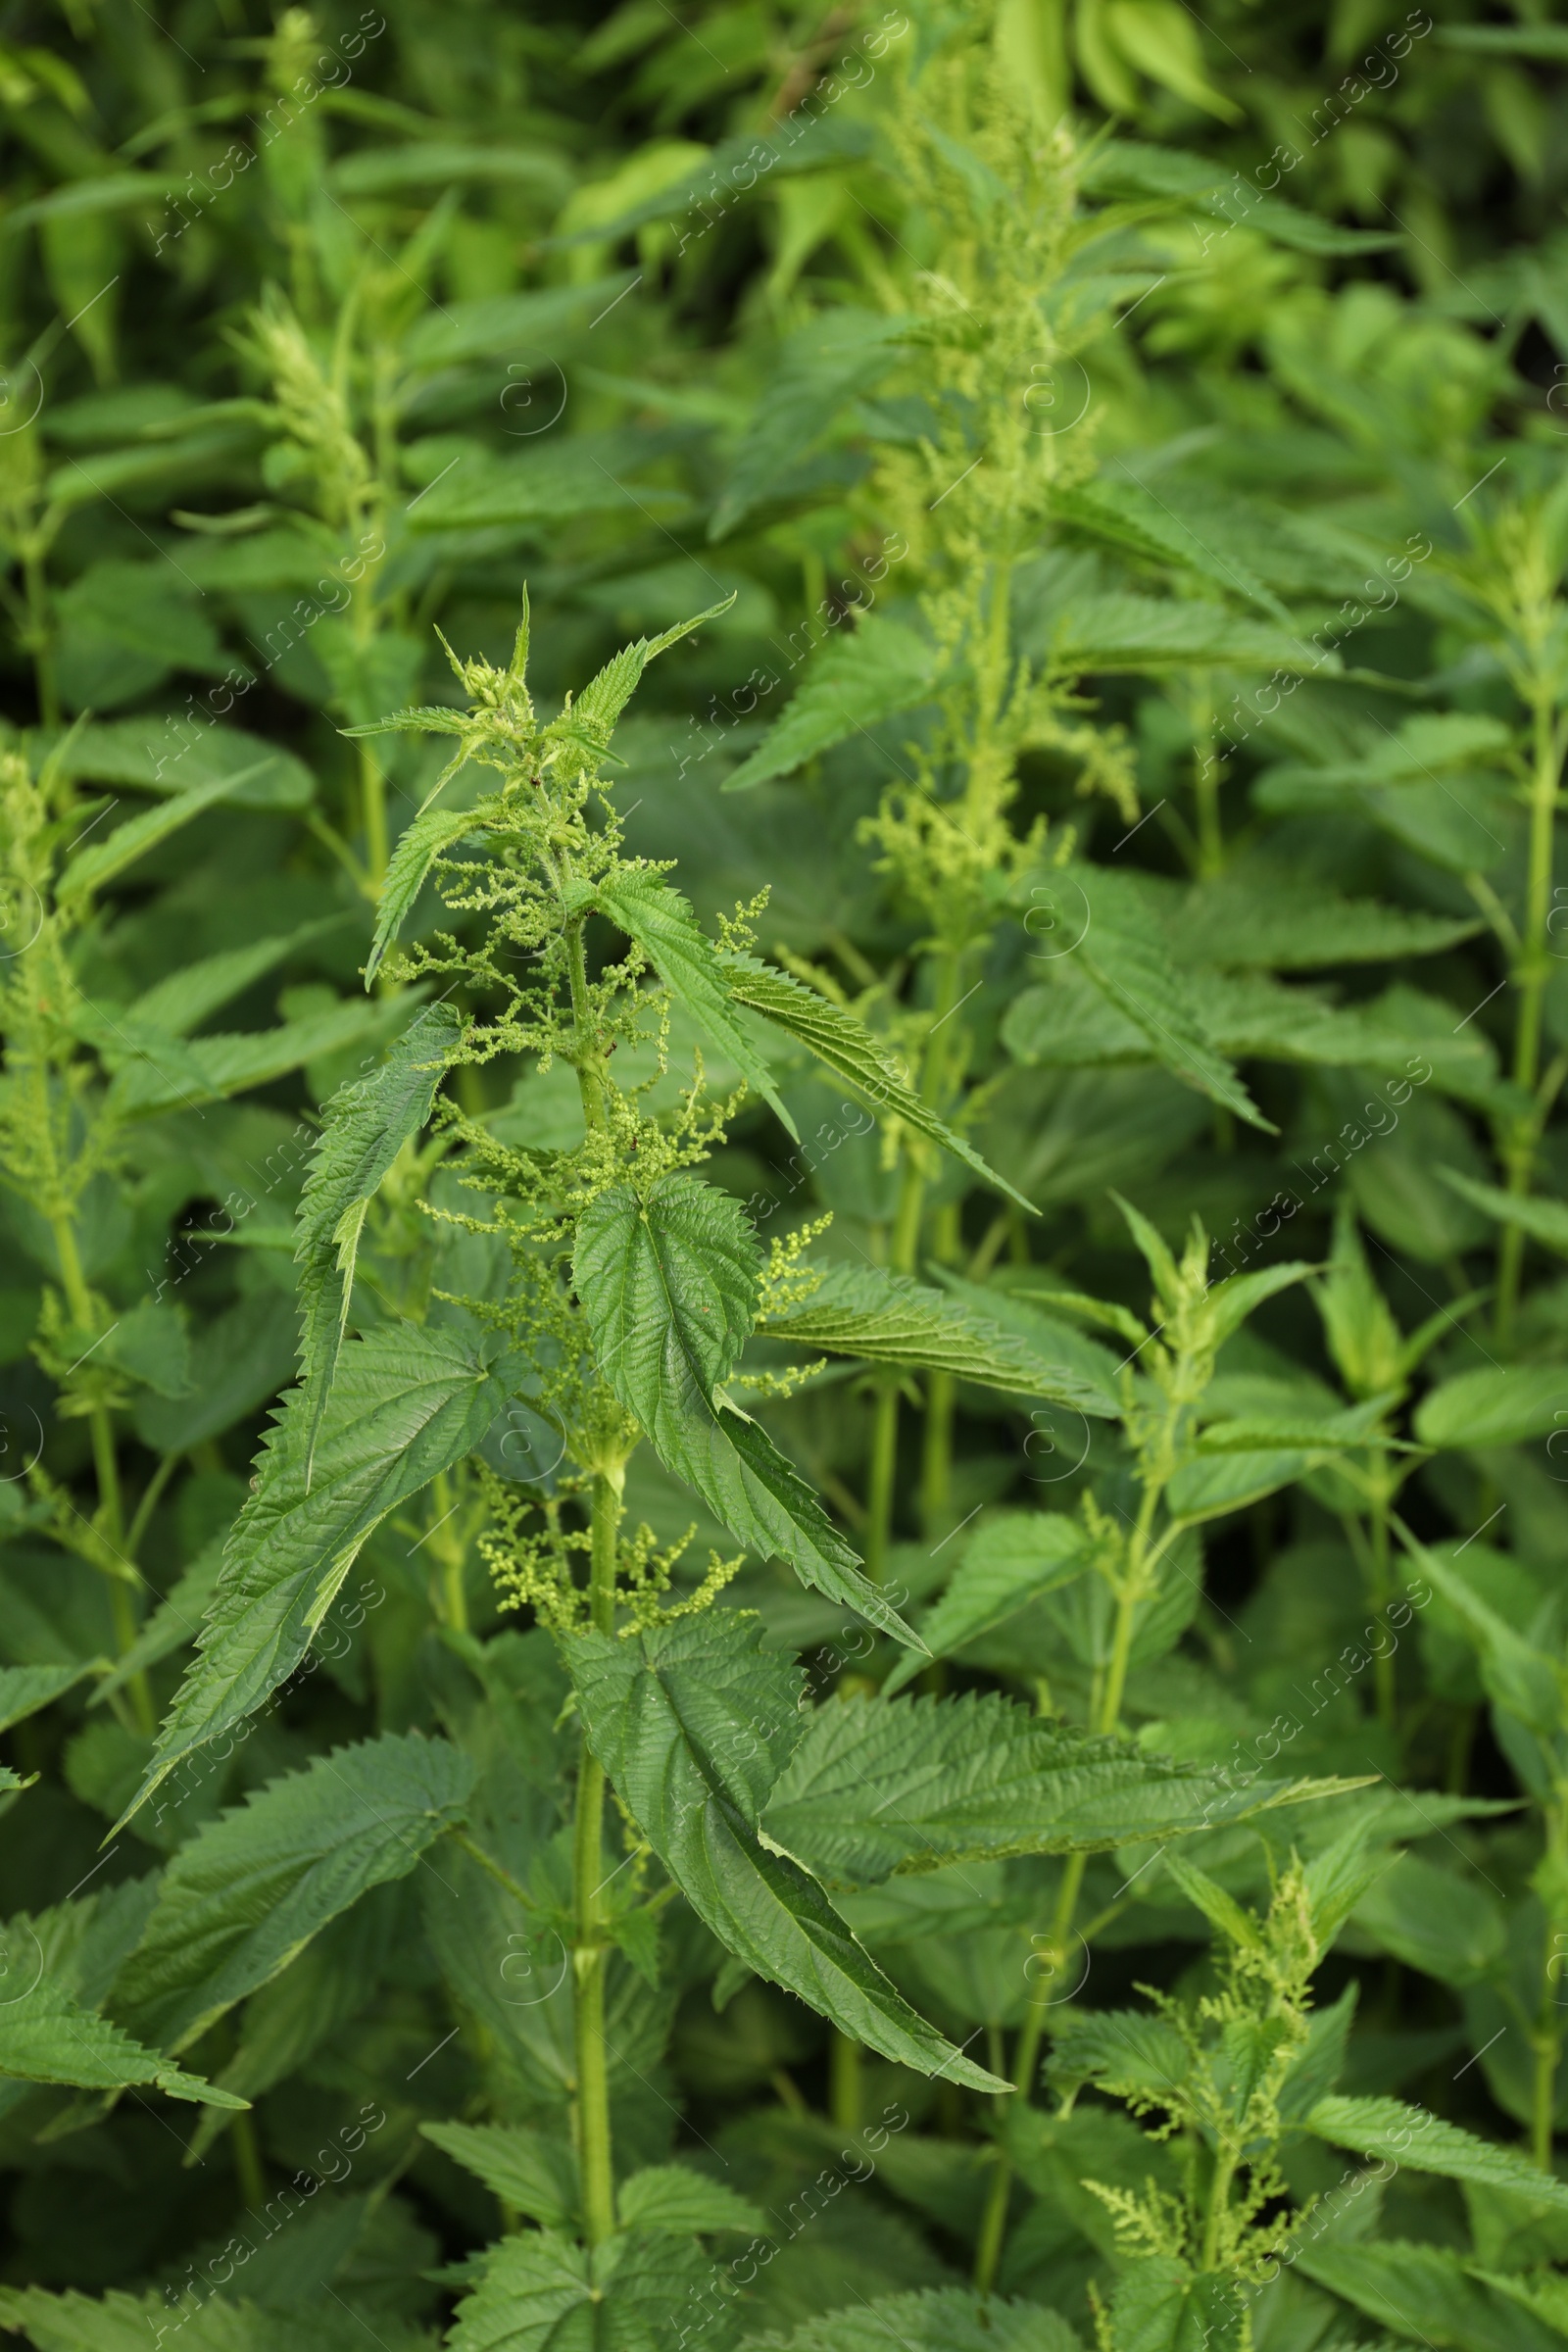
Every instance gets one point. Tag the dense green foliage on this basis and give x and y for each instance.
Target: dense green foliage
(785, 1367)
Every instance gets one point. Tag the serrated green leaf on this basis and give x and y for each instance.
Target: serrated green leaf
(45, 2036)
(544, 2293)
(890, 1319)
(944, 2319)
(1009, 1561)
(1110, 634)
(407, 1404)
(367, 1123)
(1122, 955)
(1422, 2143)
(1496, 1404)
(191, 996)
(159, 1072)
(849, 1049)
(691, 1722)
(672, 2197)
(249, 1891)
(880, 1785)
(671, 1286)
(853, 685)
(662, 923)
(432, 832)
(100, 863)
(529, 2169)
(24, 1690)
(591, 717)
(1545, 1221)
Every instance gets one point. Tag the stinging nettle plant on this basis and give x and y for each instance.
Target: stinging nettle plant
(628, 1287)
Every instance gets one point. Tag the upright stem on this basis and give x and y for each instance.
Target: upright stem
(1531, 970)
(1026, 2059)
(1220, 2197)
(40, 636)
(1105, 1714)
(904, 1257)
(1208, 773)
(589, 1953)
(881, 1476)
(1382, 1586)
(372, 814)
(941, 1391)
(448, 1550)
(106, 1467)
(845, 2102)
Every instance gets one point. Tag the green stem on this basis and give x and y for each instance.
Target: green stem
(845, 2102)
(1531, 969)
(40, 636)
(1546, 2039)
(1025, 2064)
(589, 1953)
(1543, 2095)
(941, 1394)
(1220, 2197)
(450, 1551)
(372, 816)
(149, 1504)
(249, 2172)
(105, 1466)
(936, 1452)
(1142, 1561)
(1382, 1586)
(881, 1476)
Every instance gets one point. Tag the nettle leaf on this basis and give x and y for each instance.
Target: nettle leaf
(662, 923)
(1260, 916)
(430, 834)
(1123, 955)
(1422, 2293)
(852, 1053)
(122, 2322)
(590, 720)
(1010, 1560)
(1124, 632)
(543, 2293)
(45, 2036)
(248, 1892)
(1497, 1405)
(944, 2319)
(24, 1690)
(822, 368)
(879, 1786)
(367, 1123)
(1518, 1674)
(669, 1287)
(853, 685)
(1119, 510)
(1422, 2143)
(1545, 1221)
(692, 1723)
(670, 1284)
(407, 1404)
(672, 2197)
(191, 996)
(105, 860)
(1160, 2305)
(889, 1319)
(157, 1071)
(529, 2169)
(1130, 2052)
